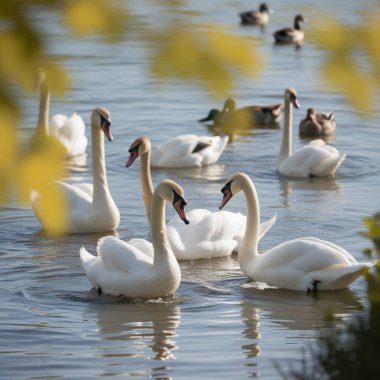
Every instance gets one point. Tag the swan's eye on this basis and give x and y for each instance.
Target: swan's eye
(226, 187)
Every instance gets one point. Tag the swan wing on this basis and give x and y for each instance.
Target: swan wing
(188, 151)
(119, 255)
(209, 234)
(297, 264)
(71, 132)
(317, 158)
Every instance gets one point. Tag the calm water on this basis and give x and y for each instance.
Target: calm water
(218, 325)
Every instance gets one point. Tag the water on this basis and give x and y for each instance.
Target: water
(219, 325)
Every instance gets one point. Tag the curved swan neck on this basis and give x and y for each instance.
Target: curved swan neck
(146, 184)
(286, 144)
(99, 177)
(43, 114)
(160, 240)
(248, 247)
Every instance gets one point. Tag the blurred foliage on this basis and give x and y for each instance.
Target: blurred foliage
(350, 352)
(353, 61)
(179, 50)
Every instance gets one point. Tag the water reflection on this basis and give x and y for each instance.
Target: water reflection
(251, 350)
(300, 311)
(318, 185)
(289, 310)
(144, 325)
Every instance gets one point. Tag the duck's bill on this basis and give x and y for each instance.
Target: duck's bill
(207, 118)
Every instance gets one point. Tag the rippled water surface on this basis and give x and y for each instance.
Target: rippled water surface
(218, 325)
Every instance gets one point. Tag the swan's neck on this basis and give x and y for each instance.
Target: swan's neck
(160, 240)
(99, 177)
(146, 184)
(43, 114)
(248, 248)
(286, 145)
(297, 25)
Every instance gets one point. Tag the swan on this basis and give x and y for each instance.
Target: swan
(210, 234)
(314, 159)
(124, 269)
(252, 115)
(305, 263)
(291, 35)
(70, 131)
(187, 151)
(90, 208)
(317, 124)
(260, 17)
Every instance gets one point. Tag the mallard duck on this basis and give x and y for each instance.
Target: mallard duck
(254, 115)
(260, 17)
(317, 124)
(291, 35)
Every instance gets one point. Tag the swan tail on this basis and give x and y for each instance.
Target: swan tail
(335, 165)
(266, 226)
(85, 257)
(337, 278)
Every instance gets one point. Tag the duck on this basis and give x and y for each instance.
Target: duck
(137, 268)
(89, 207)
(70, 131)
(252, 115)
(303, 264)
(259, 17)
(187, 151)
(291, 35)
(316, 159)
(210, 234)
(317, 124)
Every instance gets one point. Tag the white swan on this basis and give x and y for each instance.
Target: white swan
(187, 151)
(69, 131)
(314, 159)
(123, 269)
(210, 234)
(300, 264)
(90, 208)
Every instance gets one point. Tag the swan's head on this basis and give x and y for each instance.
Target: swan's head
(139, 147)
(174, 194)
(291, 96)
(101, 118)
(232, 187)
(229, 105)
(211, 115)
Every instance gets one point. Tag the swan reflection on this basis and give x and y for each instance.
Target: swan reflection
(320, 186)
(146, 325)
(299, 311)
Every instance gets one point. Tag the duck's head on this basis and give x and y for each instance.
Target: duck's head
(299, 18)
(291, 96)
(265, 9)
(211, 115)
(310, 114)
(229, 105)
(232, 187)
(101, 118)
(172, 193)
(139, 147)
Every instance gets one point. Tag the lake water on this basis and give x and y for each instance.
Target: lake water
(219, 325)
